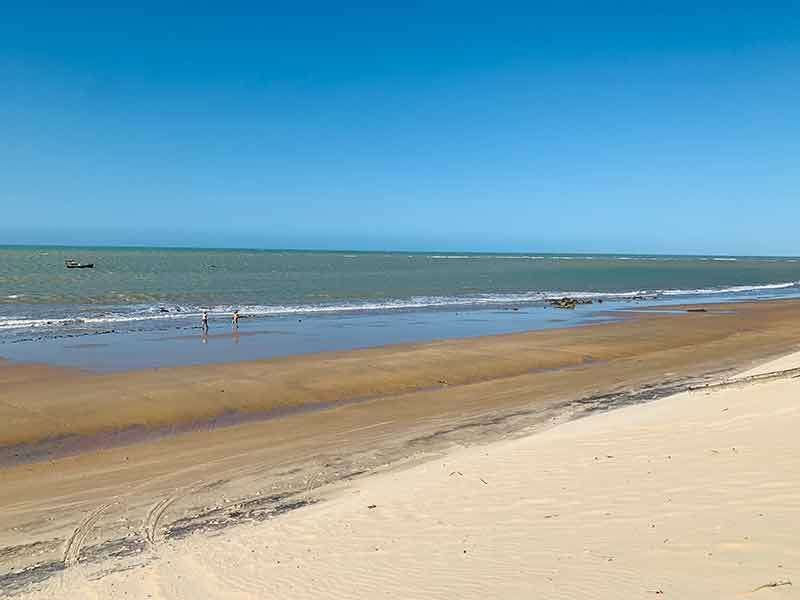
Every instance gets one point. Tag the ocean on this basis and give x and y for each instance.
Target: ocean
(159, 290)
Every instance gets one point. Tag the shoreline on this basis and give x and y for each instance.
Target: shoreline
(266, 338)
(396, 369)
(63, 403)
(144, 345)
(496, 388)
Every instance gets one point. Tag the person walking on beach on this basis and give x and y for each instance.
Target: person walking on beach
(205, 321)
(235, 319)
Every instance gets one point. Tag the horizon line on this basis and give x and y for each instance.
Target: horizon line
(390, 251)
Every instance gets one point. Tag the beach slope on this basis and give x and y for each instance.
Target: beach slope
(691, 496)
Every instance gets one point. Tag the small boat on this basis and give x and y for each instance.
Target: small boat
(74, 264)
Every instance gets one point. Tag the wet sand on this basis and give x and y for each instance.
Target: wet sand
(40, 403)
(345, 414)
(280, 336)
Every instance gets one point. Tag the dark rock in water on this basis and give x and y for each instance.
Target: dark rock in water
(564, 303)
(569, 303)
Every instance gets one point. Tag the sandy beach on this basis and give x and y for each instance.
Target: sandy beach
(692, 496)
(477, 301)
(482, 478)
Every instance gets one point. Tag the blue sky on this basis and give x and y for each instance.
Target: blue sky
(543, 126)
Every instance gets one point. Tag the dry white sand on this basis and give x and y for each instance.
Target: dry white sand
(784, 363)
(693, 496)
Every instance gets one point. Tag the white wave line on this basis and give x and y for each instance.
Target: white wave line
(156, 313)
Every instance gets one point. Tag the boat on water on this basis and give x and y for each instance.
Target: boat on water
(74, 264)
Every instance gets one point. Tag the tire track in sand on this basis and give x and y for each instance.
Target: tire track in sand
(152, 522)
(71, 577)
(78, 538)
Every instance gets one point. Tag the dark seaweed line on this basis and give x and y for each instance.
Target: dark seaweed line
(575, 409)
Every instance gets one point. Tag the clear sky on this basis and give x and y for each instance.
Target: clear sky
(636, 126)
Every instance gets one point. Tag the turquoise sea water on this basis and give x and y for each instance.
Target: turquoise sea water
(136, 289)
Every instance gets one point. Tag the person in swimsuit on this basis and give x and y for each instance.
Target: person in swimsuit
(235, 319)
(205, 321)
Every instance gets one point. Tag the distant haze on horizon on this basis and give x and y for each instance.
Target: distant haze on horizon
(381, 250)
(616, 127)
